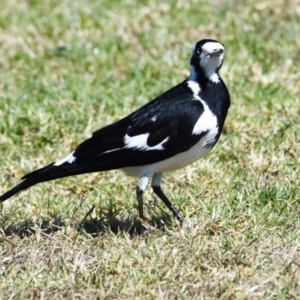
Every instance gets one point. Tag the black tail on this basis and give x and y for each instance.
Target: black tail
(18, 188)
(47, 173)
(60, 170)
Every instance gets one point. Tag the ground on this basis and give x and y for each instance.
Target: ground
(68, 68)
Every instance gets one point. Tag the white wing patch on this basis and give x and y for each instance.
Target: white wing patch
(108, 151)
(194, 86)
(140, 142)
(207, 121)
(69, 159)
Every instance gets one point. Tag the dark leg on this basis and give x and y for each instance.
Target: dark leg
(156, 181)
(139, 195)
(157, 190)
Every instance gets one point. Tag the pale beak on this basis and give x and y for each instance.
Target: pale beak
(216, 53)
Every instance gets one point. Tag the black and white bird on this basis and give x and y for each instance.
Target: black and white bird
(170, 132)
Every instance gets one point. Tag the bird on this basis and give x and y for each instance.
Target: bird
(170, 132)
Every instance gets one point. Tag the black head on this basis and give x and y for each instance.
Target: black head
(208, 56)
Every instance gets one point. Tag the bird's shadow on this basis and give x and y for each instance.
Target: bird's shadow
(92, 224)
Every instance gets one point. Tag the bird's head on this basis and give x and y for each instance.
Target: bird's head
(207, 55)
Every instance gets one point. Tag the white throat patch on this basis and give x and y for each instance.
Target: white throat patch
(210, 63)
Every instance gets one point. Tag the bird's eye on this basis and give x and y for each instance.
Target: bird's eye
(198, 51)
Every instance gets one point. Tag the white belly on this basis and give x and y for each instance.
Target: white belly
(176, 162)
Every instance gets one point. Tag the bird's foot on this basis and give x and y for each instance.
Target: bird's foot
(145, 227)
(142, 230)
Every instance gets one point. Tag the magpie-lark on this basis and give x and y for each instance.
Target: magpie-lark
(170, 132)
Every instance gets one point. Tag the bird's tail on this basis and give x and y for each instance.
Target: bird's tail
(18, 188)
(47, 173)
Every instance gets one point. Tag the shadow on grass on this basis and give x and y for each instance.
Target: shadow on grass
(134, 227)
(28, 228)
(105, 221)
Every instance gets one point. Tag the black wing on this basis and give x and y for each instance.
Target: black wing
(168, 121)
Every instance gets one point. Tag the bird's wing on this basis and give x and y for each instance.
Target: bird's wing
(149, 135)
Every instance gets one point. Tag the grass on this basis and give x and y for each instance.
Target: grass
(70, 67)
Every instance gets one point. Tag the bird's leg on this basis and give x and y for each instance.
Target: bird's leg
(139, 195)
(156, 181)
(140, 188)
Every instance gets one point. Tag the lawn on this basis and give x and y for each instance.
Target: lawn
(69, 67)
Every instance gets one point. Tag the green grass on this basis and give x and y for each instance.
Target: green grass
(70, 67)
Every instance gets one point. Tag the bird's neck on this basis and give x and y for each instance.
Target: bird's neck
(212, 89)
(203, 77)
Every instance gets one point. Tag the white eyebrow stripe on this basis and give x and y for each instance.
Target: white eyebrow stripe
(211, 46)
